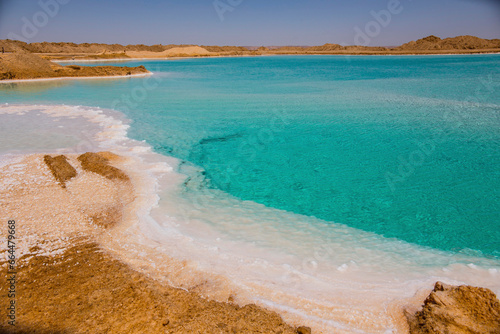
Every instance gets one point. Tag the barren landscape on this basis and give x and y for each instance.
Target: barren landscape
(22, 60)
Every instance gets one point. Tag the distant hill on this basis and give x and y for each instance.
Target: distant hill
(338, 47)
(215, 48)
(63, 47)
(455, 43)
(430, 44)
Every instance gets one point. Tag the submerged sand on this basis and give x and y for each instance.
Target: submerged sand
(67, 281)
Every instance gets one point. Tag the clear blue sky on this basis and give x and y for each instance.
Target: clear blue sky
(247, 22)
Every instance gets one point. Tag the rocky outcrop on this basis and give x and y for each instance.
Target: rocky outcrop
(30, 66)
(458, 310)
(304, 330)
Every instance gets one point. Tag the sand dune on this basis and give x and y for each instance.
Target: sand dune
(190, 51)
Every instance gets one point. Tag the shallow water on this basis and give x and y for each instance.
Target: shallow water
(384, 171)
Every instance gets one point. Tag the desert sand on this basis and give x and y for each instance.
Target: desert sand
(189, 51)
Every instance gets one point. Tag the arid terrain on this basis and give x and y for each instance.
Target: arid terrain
(427, 45)
(69, 282)
(33, 61)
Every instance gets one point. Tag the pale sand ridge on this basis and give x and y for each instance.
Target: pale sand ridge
(191, 51)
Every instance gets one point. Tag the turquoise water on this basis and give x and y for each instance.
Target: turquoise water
(405, 147)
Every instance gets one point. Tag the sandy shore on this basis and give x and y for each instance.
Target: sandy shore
(146, 57)
(77, 78)
(19, 66)
(192, 52)
(67, 280)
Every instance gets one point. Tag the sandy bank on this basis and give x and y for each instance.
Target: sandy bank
(21, 66)
(77, 78)
(68, 282)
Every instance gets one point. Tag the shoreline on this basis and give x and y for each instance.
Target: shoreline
(22, 66)
(84, 60)
(138, 261)
(77, 78)
(125, 60)
(69, 252)
(93, 289)
(175, 263)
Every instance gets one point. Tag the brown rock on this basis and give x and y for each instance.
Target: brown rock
(458, 310)
(60, 168)
(303, 330)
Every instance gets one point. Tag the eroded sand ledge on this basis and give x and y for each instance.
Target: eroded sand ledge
(26, 66)
(68, 283)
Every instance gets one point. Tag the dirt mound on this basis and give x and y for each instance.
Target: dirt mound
(9, 45)
(187, 51)
(24, 66)
(190, 50)
(458, 310)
